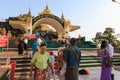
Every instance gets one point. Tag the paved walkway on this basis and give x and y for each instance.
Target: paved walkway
(94, 72)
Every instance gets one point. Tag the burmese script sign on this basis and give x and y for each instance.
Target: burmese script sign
(3, 41)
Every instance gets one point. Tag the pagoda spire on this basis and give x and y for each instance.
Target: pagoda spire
(62, 17)
(47, 6)
(29, 13)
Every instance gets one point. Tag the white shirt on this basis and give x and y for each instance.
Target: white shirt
(39, 41)
(110, 49)
(52, 59)
(25, 41)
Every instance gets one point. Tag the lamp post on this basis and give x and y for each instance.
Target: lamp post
(115, 1)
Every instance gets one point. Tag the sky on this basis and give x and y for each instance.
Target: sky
(91, 15)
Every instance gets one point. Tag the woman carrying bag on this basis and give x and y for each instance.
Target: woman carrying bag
(105, 67)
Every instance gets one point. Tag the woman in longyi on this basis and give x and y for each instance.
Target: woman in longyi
(105, 70)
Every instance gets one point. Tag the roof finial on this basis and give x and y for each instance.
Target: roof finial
(29, 12)
(47, 6)
(46, 10)
(62, 17)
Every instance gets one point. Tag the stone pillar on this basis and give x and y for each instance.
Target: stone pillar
(29, 25)
(60, 35)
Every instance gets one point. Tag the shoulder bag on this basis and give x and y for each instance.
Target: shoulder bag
(107, 61)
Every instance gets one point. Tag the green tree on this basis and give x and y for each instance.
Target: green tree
(97, 38)
(108, 35)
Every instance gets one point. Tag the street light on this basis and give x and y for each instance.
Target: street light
(113, 0)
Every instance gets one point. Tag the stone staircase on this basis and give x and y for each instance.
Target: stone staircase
(23, 65)
(22, 68)
(95, 61)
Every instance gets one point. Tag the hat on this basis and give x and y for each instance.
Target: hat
(72, 40)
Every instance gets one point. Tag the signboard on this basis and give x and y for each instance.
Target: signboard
(3, 41)
(30, 36)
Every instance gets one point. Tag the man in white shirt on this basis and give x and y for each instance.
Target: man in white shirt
(110, 49)
(39, 41)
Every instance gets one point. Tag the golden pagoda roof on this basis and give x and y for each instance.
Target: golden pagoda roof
(73, 27)
(46, 10)
(17, 24)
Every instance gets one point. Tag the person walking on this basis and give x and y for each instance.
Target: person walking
(105, 70)
(72, 58)
(42, 63)
(52, 57)
(25, 46)
(60, 55)
(35, 46)
(39, 40)
(20, 47)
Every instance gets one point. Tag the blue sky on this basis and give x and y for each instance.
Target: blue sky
(92, 15)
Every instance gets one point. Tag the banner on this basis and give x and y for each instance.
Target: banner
(30, 36)
(3, 41)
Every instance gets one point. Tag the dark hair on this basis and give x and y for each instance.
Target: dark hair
(42, 44)
(109, 41)
(73, 41)
(62, 43)
(103, 44)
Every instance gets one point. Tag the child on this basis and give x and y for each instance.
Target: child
(52, 57)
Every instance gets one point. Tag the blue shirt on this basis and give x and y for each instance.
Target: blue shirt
(35, 46)
(70, 58)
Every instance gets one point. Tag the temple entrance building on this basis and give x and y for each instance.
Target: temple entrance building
(28, 23)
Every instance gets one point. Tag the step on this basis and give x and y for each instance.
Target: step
(20, 59)
(88, 62)
(19, 73)
(115, 60)
(26, 77)
(23, 69)
(89, 65)
(116, 63)
(23, 65)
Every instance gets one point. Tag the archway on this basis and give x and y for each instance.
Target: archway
(52, 20)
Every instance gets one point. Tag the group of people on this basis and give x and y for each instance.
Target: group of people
(41, 61)
(22, 44)
(69, 56)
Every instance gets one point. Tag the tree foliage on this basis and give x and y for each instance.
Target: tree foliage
(109, 35)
